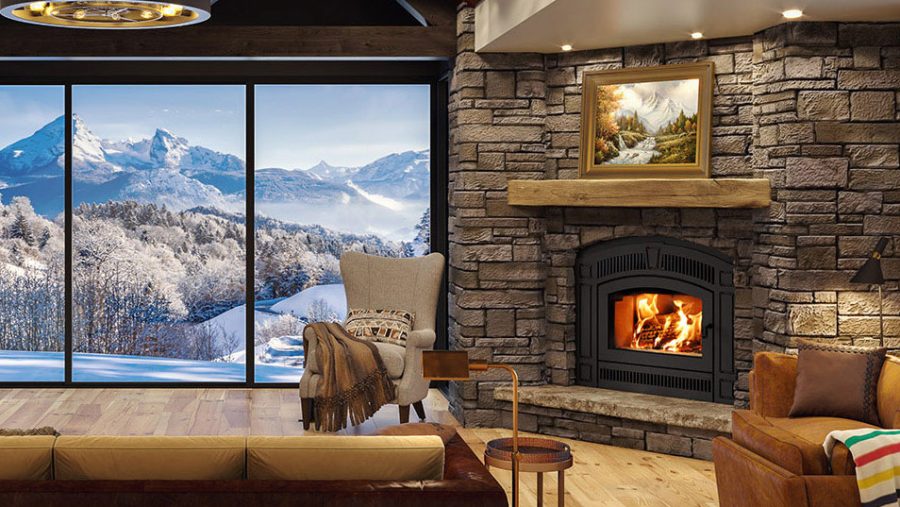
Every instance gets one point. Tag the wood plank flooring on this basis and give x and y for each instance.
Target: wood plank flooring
(602, 475)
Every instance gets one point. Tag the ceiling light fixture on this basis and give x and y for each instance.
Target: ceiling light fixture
(792, 13)
(697, 35)
(566, 47)
(107, 14)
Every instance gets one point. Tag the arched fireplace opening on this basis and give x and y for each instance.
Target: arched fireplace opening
(656, 315)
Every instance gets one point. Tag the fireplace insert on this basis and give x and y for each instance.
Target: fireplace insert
(656, 315)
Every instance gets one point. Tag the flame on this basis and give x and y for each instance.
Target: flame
(677, 328)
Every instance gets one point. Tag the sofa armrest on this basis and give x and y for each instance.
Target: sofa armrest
(772, 384)
(745, 479)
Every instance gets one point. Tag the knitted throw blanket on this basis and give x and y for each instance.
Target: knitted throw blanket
(353, 381)
(876, 454)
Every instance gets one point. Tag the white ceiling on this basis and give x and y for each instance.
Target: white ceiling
(544, 25)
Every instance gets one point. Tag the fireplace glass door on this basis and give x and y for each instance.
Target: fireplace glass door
(657, 321)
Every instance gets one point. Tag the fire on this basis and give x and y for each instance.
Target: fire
(660, 322)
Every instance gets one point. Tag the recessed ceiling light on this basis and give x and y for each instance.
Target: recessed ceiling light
(792, 13)
(566, 47)
(697, 35)
(108, 14)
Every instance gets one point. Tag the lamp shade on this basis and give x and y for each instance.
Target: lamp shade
(108, 14)
(445, 365)
(871, 272)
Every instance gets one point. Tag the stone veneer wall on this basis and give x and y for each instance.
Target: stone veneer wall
(811, 106)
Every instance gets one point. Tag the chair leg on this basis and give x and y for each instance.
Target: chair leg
(307, 408)
(420, 410)
(404, 414)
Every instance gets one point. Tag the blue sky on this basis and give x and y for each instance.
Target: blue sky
(296, 125)
(345, 125)
(25, 109)
(210, 116)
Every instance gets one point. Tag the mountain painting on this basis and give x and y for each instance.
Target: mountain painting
(647, 123)
(643, 123)
(159, 233)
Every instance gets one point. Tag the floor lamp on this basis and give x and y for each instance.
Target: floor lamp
(455, 365)
(870, 273)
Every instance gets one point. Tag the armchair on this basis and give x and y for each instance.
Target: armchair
(374, 282)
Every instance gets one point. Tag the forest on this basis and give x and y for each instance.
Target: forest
(144, 276)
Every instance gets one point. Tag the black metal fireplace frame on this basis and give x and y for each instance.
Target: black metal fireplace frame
(655, 263)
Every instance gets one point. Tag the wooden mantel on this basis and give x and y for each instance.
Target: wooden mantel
(643, 193)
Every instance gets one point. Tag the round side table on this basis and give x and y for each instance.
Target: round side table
(536, 455)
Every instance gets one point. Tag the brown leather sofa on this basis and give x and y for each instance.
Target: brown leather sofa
(243, 472)
(773, 460)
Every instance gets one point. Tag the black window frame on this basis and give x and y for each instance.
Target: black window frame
(74, 72)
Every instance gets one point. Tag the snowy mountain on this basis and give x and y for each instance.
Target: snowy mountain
(654, 110)
(35, 157)
(168, 170)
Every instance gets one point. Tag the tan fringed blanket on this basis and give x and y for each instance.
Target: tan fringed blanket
(353, 380)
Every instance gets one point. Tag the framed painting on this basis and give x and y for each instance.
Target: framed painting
(649, 122)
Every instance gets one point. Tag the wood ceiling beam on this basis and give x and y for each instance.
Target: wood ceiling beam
(233, 41)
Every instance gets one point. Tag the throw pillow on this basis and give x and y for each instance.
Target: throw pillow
(414, 429)
(837, 381)
(388, 326)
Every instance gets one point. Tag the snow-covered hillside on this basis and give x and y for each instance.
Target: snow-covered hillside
(49, 367)
(322, 302)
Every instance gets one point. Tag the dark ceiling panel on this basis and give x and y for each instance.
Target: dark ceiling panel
(311, 13)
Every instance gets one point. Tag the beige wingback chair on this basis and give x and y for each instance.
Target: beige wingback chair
(382, 283)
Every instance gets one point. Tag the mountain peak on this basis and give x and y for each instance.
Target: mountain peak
(166, 149)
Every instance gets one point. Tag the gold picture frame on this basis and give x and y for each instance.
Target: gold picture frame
(649, 113)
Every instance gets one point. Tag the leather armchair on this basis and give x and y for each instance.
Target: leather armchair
(778, 461)
(373, 282)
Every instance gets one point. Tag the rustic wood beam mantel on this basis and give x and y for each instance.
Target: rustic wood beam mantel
(645, 193)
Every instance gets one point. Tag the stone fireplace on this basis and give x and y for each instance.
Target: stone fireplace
(655, 315)
(812, 107)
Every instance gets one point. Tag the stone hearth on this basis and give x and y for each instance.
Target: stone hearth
(813, 107)
(638, 421)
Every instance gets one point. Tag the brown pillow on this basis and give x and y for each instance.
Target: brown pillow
(837, 381)
(389, 326)
(442, 430)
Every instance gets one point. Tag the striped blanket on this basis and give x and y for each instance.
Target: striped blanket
(877, 457)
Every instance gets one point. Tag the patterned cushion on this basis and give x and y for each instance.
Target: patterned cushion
(388, 326)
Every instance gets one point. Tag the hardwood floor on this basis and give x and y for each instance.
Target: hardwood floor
(602, 475)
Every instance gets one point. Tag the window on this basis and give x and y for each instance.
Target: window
(32, 237)
(337, 168)
(124, 246)
(158, 256)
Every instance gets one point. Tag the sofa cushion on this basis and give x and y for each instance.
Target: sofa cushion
(889, 393)
(837, 381)
(813, 431)
(26, 458)
(367, 458)
(393, 357)
(149, 458)
(795, 444)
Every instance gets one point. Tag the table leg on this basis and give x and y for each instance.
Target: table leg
(562, 489)
(540, 489)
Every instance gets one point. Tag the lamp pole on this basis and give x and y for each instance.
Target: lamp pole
(481, 366)
(880, 316)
